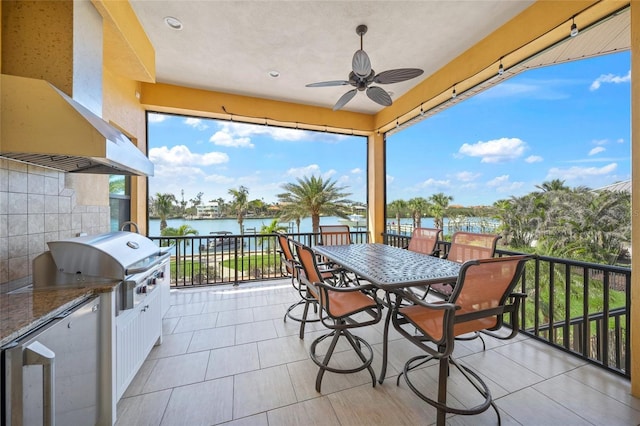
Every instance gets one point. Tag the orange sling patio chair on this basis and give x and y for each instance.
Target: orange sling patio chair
(481, 297)
(338, 309)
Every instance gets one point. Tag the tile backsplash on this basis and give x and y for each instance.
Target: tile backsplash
(36, 207)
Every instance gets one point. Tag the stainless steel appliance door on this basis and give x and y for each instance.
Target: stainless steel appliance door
(51, 374)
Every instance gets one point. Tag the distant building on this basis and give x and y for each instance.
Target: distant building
(211, 209)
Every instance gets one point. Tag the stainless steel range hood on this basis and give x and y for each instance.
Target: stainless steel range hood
(42, 125)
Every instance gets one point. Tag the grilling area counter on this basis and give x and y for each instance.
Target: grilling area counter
(123, 277)
(23, 310)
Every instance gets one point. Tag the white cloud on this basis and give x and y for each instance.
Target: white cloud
(196, 123)
(276, 133)
(467, 176)
(495, 151)
(390, 179)
(498, 181)
(222, 138)
(598, 160)
(609, 78)
(534, 159)
(219, 179)
(180, 155)
(356, 171)
(620, 140)
(502, 184)
(156, 118)
(580, 173)
(434, 183)
(597, 150)
(300, 172)
(600, 141)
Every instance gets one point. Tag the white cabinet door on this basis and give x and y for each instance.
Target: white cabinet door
(137, 331)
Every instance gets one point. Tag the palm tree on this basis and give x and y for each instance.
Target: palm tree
(397, 207)
(440, 202)
(239, 204)
(163, 204)
(317, 197)
(553, 185)
(220, 206)
(293, 212)
(418, 207)
(181, 231)
(268, 230)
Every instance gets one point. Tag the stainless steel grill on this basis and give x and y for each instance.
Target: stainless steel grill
(131, 260)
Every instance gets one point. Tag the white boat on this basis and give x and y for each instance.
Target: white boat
(355, 221)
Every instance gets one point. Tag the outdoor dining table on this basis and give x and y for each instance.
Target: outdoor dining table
(390, 269)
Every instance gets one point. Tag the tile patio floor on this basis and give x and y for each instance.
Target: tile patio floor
(228, 357)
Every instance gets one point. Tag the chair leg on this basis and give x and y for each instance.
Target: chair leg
(443, 377)
(356, 342)
(304, 318)
(441, 403)
(475, 335)
(327, 357)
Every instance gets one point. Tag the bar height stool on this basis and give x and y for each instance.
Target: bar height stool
(338, 305)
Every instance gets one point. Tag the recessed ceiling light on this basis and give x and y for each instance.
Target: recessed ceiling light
(274, 74)
(173, 23)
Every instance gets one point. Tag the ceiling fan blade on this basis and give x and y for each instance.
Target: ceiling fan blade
(379, 95)
(361, 64)
(396, 76)
(329, 83)
(344, 99)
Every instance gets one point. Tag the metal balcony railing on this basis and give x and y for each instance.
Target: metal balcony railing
(578, 307)
(230, 259)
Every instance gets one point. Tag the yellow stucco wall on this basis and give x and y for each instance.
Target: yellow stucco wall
(120, 107)
(45, 33)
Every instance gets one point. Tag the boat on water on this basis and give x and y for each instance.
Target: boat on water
(221, 241)
(354, 221)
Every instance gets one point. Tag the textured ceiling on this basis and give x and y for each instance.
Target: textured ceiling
(230, 46)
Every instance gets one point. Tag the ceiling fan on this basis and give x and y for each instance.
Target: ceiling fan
(362, 76)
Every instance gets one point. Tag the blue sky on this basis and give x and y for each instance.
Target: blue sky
(568, 122)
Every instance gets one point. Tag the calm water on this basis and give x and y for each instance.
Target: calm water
(206, 226)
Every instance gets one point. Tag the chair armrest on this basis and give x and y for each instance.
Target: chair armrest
(440, 305)
(349, 289)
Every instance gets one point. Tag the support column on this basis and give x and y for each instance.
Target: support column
(635, 200)
(376, 179)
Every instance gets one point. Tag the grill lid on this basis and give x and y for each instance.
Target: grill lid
(110, 255)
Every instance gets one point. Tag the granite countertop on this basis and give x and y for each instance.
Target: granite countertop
(23, 310)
